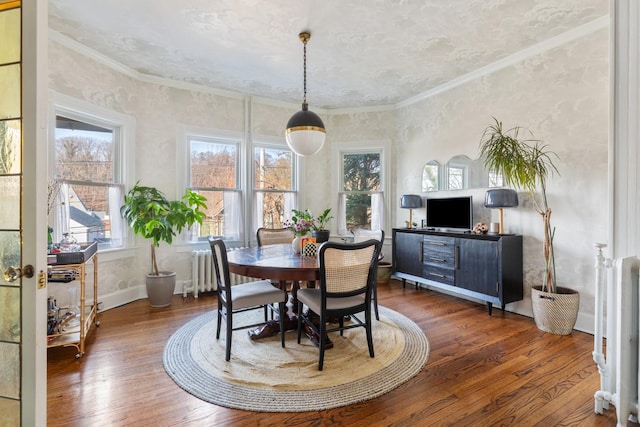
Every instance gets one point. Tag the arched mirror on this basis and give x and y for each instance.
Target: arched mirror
(459, 173)
(431, 176)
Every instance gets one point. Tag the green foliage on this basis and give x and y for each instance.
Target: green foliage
(151, 215)
(525, 164)
(322, 220)
(302, 222)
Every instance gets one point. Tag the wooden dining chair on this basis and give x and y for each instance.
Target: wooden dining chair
(273, 236)
(235, 299)
(360, 235)
(347, 277)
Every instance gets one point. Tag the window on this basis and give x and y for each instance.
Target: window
(87, 188)
(214, 173)
(361, 193)
(91, 160)
(274, 185)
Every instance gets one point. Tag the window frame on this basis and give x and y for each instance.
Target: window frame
(183, 157)
(383, 147)
(277, 144)
(124, 127)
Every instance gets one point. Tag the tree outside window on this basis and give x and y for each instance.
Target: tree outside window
(213, 172)
(361, 178)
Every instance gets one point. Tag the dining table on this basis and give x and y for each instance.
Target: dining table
(278, 263)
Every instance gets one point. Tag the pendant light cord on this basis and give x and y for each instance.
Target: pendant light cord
(304, 99)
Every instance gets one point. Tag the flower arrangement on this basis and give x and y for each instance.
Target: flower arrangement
(301, 223)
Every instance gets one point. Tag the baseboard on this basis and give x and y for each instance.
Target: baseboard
(121, 297)
(584, 323)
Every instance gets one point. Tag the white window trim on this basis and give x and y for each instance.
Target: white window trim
(184, 133)
(61, 104)
(276, 143)
(381, 146)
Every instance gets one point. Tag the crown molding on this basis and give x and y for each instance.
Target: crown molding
(355, 110)
(116, 66)
(537, 49)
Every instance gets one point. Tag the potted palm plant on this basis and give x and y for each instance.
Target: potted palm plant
(526, 164)
(151, 215)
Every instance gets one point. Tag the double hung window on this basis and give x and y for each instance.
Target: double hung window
(361, 201)
(214, 172)
(86, 191)
(274, 185)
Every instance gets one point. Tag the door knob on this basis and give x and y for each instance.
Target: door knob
(12, 274)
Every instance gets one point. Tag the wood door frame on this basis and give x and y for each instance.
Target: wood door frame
(35, 31)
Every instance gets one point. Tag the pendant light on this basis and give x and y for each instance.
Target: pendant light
(305, 131)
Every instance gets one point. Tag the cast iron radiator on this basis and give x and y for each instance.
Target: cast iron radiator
(617, 284)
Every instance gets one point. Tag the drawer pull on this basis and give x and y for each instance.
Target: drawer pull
(442, 276)
(434, 243)
(438, 259)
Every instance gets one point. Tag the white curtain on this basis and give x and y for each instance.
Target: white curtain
(116, 222)
(342, 214)
(377, 211)
(60, 213)
(258, 210)
(233, 218)
(290, 201)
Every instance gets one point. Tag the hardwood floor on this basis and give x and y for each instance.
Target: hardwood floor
(482, 371)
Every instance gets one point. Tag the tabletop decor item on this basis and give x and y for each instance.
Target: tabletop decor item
(320, 231)
(411, 202)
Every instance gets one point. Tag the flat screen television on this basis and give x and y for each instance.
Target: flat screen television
(450, 213)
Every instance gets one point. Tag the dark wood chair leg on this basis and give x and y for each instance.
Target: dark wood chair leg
(229, 331)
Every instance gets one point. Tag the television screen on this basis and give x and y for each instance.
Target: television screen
(450, 212)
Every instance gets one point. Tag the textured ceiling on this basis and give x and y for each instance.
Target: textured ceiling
(361, 53)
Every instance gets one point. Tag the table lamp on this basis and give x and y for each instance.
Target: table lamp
(411, 202)
(501, 198)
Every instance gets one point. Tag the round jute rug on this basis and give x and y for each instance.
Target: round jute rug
(263, 376)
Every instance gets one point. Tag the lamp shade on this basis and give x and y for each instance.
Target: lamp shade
(305, 132)
(411, 201)
(501, 198)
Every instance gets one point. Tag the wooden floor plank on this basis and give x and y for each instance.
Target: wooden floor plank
(482, 371)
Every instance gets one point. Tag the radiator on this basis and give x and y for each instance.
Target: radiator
(617, 284)
(203, 277)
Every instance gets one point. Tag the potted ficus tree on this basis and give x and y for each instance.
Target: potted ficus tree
(151, 215)
(526, 164)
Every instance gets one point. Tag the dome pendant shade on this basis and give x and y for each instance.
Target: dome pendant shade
(305, 132)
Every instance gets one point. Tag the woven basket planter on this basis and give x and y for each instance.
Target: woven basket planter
(555, 313)
(384, 272)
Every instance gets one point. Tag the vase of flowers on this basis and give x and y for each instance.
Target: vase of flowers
(301, 223)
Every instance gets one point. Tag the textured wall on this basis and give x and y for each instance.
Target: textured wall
(158, 110)
(562, 97)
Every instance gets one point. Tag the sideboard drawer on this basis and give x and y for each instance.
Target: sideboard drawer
(439, 251)
(443, 274)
